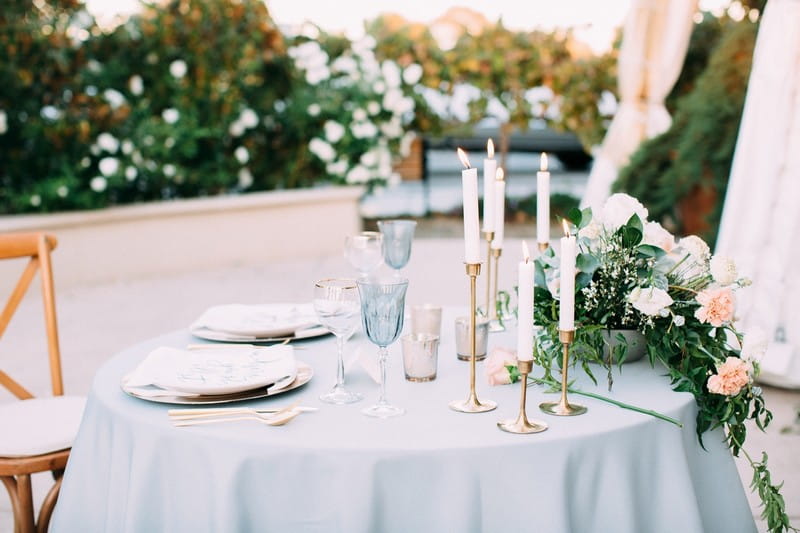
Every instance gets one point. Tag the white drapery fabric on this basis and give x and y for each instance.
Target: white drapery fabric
(655, 39)
(761, 219)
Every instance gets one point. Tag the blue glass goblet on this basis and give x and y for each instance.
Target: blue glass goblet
(397, 238)
(382, 309)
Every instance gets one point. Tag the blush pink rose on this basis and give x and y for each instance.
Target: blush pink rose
(731, 376)
(495, 365)
(718, 305)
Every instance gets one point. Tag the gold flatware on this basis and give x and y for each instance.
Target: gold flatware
(228, 411)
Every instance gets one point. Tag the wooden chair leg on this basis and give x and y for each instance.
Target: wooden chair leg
(19, 490)
(48, 505)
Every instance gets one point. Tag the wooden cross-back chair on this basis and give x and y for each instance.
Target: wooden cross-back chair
(35, 433)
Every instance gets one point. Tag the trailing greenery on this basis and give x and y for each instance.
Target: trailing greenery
(632, 274)
(695, 155)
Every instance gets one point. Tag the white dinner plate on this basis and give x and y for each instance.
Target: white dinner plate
(303, 376)
(211, 335)
(265, 320)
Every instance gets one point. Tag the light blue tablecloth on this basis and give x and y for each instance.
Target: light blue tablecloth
(335, 470)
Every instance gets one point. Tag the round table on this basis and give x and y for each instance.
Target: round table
(336, 470)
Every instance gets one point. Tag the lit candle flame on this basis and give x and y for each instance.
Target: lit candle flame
(462, 156)
(525, 252)
(490, 148)
(499, 175)
(543, 162)
(566, 226)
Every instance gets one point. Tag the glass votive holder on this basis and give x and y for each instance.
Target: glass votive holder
(420, 355)
(463, 338)
(426, 318)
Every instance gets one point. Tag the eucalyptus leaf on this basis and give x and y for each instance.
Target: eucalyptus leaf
(587, 263)
(586, 217)
(635, 222)
(648, 250)
(574, 215)
(631, 236)
(582, 280)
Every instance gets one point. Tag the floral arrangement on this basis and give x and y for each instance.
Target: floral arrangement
(633, 274)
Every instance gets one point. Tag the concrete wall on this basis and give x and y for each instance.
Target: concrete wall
(148, 240)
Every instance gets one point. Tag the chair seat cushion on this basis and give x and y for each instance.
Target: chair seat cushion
(39, 425)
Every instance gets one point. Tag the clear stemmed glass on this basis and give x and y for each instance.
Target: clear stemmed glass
(397, 238)
(337, 305)
(364, 251)
(382, 306)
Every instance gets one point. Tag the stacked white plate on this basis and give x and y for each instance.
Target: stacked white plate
(257, 323)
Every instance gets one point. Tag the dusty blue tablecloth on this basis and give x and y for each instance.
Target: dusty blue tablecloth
(335, 470)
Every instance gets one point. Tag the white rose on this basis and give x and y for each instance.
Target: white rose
(723, 270)
(245, 178)
(131, 173)
(98, 184)
(412, 74)
(136, 85)
(358, 174)
(170, 115)
(249, 118)
(754, 345)
(3, 122)
(591, 231)
(696, 247)
(109, 166)
(62, 191)
(107, 142)
(242, 155)
(649, 300)
(656, 235)
(322, 149)
(333, 131)
(619, 208)
(178, 68)
(169, 170)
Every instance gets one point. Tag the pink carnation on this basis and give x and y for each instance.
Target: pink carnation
(731, 376)
(718, 305)
(495, 366)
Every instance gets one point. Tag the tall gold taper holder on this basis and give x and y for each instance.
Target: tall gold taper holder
(543, 246)
(522, 424)
(489, 235)
(563, 407)
(494, 323)
(472, 404)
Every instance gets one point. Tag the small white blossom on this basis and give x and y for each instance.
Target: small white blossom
(344, 64)
(178, 68)
(107, 142)
(405, 143)
(392, 129)
(338, 168)
(236, 129)
(245, 178)
(136, 85)
(723, 270)
(169, 170)
(314, 110)
(379, 87)
(619, 208)
(98, 184)
(358, 174)
(679, 320)
(333, 131)
(649, 300)
(373, 108)
(50, 113)
(127, 147)
(359, 115)
(169, 142)
(370, 158)
(391, 73)
(364, 130)
(170, 115)
(322, 149)
(280, 106)
(242, 155)
(3, 122)
(85, 162)
(248, 118)
(109, 166)
(62, 191)
(36, 200)
(114, 98)
(94, 65)
(412, 74)
(131, 173)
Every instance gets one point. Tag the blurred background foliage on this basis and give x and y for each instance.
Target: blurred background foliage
(205, 97)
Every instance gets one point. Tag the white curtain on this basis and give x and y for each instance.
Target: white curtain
(760, 226)
(654, 43)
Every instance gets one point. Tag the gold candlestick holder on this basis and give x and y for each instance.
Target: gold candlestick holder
(472, 404)
(543, 246)
(563, 407)
(522, 424)
(495, 324)
(489, 235)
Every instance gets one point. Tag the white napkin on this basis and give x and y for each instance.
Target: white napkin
(268, 320)
(172, 372)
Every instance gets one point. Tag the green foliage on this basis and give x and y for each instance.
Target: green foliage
(695, 155)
